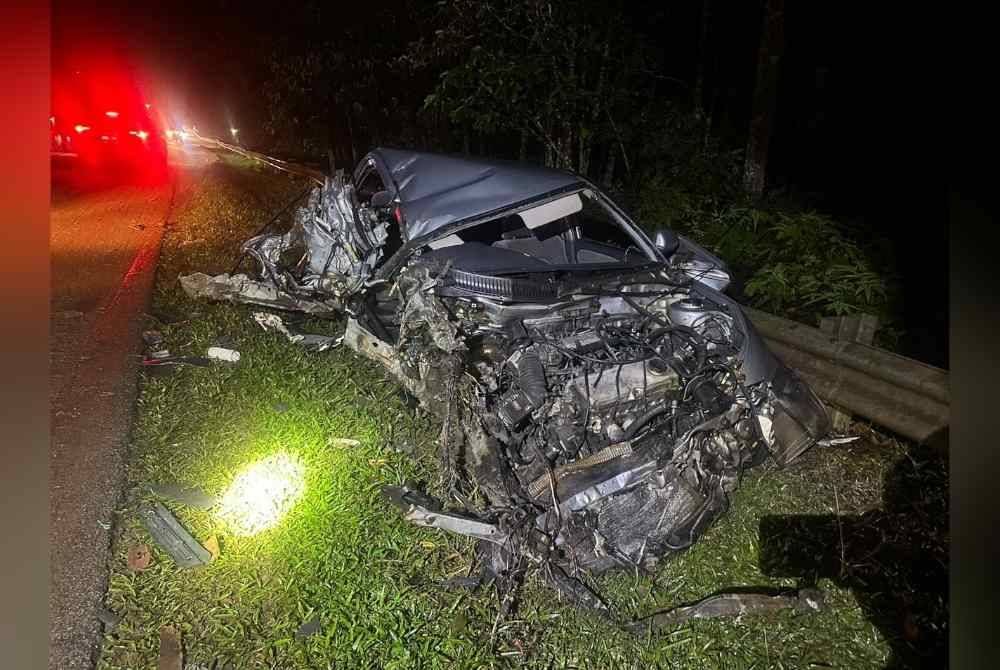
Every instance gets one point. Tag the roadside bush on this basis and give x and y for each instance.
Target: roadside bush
(798, 264)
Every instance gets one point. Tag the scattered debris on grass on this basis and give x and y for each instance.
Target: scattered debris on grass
(212, 545)
(838, 441)
(109, 619)
(156, 346)
(344, 442)
(168, 533)
(274, 323)
(222, 354)
(309, 628)
(190, 496)
(199, 361)
(171, 653)
(139, 557)
(734, 604)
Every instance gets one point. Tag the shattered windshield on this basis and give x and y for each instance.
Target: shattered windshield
(576, 229)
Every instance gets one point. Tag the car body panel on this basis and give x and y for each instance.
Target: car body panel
(434, 190)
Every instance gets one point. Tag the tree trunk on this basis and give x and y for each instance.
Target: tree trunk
(350, 134)
(764, 97)
(709, 118)
(699, 77)
(609, 166)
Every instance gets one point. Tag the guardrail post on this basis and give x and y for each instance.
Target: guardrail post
(858, 328)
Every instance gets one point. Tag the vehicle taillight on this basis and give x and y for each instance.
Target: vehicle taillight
(141, 134)
(111, 113)
(80, 128)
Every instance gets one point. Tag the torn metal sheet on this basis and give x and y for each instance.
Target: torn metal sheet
(274, 323)
(838, 441)
(732, 605)
(168, 533)
(240, 288)
(190, 496)
(328, 255)
(419, 510)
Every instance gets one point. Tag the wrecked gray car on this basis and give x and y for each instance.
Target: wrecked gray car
(600, 394)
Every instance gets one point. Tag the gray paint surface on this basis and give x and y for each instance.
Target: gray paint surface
(436, 189)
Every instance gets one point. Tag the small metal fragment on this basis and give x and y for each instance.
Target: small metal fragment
(192, 497)
(310, 627)
(223, 354)
(837, 441)
(418, 509)
(109, 619)
(274, 323)
(343, 442)
(200, 361)
(186, 551)
(731, 604)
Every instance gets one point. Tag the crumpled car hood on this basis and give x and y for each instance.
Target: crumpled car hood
(435, 190)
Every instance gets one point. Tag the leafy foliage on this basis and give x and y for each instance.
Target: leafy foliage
(799, 264)
(558, 72)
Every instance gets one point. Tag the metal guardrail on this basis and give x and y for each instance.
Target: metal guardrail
(317, 176)
(906, 396)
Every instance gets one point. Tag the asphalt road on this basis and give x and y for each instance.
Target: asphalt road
(105, 236)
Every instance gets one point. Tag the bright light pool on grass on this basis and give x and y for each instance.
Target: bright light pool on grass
(262, 493)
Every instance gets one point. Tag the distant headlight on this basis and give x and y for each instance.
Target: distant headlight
(141, 134)
(80, 128)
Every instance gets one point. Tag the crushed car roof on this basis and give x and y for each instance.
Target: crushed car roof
(437, 189)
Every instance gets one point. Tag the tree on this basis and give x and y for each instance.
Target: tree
(772, 40)
(564, 77)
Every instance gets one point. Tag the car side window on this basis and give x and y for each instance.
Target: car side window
(369, 185)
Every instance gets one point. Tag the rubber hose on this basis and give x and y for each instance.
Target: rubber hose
(531, 378)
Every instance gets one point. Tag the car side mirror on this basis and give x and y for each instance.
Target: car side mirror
(666, 241)
(381, 199)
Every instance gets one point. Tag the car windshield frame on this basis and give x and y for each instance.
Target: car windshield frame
(396, 261)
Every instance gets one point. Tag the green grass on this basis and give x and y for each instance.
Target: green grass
(344, 556)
